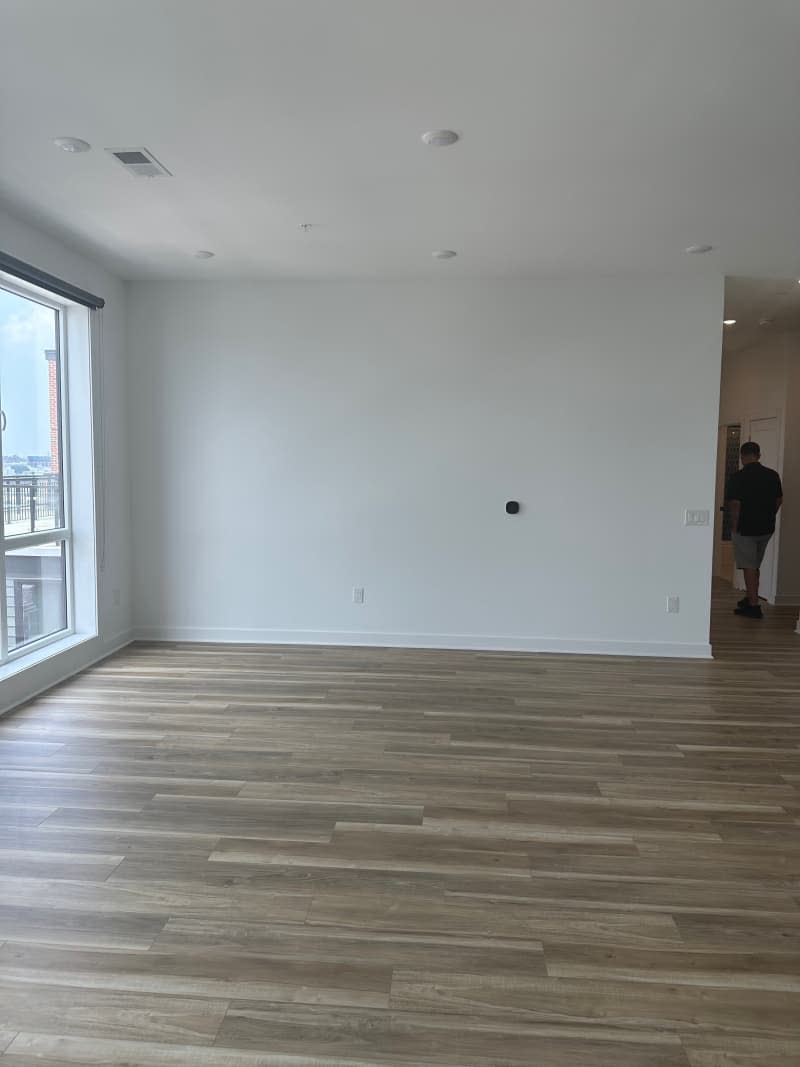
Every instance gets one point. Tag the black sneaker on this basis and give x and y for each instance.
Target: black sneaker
(750, 611)
(743, 603)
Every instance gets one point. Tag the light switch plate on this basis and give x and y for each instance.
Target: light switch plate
(697, 517)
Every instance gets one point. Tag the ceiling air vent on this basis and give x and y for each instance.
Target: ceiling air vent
(139, 162)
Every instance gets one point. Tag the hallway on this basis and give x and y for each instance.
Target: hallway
(768, 642)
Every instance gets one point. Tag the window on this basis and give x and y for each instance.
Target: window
(35, 536)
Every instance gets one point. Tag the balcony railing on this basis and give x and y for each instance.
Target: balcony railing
(31, 502)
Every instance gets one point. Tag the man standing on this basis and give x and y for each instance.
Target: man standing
(754, 496)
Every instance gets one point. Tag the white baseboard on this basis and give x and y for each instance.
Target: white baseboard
(114, 644)
(467, 642)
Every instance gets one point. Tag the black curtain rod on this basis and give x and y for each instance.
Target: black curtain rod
(26, 273)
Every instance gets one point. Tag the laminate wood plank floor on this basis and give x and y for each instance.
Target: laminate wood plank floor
(318, 857)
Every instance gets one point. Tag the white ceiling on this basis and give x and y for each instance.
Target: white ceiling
(597, 136)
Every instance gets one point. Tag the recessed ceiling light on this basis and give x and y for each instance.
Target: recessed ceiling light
(72, 144)
(444, 253)
(203, 253)
(698, 250)
(440, 138)
(729, 322)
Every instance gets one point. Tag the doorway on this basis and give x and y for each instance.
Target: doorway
(766, 431)
(760, 401)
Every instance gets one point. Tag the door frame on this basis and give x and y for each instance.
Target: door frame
(723, 554)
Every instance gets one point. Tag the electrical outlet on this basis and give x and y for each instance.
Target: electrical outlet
(673, 604)
(358, 594)
(696, 517)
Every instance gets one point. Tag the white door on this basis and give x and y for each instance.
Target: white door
(723, 550)
(765, 433)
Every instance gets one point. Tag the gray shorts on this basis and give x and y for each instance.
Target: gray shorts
(749, 550)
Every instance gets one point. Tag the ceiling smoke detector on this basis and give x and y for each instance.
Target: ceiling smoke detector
(139, 163)
(72, 144)
(699, 250)
(440, 138)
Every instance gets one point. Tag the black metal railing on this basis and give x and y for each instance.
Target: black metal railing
(32, 500)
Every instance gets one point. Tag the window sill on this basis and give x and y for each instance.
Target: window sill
(43, 654)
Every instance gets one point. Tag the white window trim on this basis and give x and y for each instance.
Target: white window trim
(35, 651)
(42, 653)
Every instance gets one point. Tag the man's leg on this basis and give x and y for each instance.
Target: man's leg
(751, 577)
(748, 553)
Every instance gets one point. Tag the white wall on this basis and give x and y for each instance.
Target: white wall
(292, 441)
(32, 245)
(753, 382)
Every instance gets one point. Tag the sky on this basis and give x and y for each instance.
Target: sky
(27, 329)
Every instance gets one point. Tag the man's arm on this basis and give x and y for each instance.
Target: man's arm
(732, 501)
(734, 507)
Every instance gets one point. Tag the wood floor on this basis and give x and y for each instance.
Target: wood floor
(249, 857)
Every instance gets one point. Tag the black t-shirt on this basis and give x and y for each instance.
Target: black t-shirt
(757, 488)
